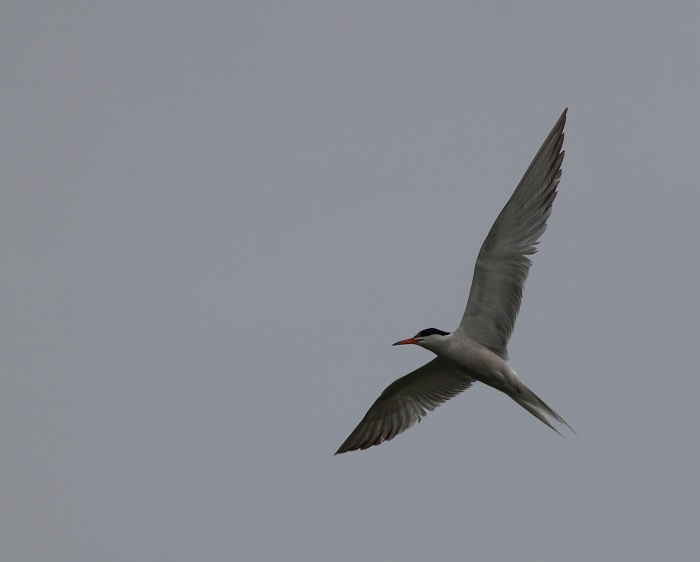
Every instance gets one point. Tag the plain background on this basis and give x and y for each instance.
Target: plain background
(217, 216)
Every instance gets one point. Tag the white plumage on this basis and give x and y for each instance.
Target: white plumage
(477, 349)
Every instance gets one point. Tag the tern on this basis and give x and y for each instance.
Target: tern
(477, 349)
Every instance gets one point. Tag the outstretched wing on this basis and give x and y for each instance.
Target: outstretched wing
(405, 401)
(502, 265)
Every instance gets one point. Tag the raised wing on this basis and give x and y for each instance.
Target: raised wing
(405, 401)
(502, 265)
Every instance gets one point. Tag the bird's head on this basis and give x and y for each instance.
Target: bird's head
(430, 338)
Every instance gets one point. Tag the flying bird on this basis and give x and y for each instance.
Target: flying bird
(477, 349)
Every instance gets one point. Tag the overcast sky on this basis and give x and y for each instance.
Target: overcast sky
(218, 216)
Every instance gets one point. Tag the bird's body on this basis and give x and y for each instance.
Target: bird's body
(480, 362)
(477, 349)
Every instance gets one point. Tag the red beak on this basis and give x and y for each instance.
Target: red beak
(407, 342)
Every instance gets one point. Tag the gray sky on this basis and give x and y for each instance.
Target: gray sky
(216, 218)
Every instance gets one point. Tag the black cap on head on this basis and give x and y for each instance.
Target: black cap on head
(429, 332)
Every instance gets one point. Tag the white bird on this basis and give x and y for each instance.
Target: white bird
(477, 349)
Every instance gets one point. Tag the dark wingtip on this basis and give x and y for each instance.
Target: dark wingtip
(346, 447)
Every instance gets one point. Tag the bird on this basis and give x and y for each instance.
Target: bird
(477, 350)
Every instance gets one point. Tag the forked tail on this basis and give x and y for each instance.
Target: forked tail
(536, 406)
